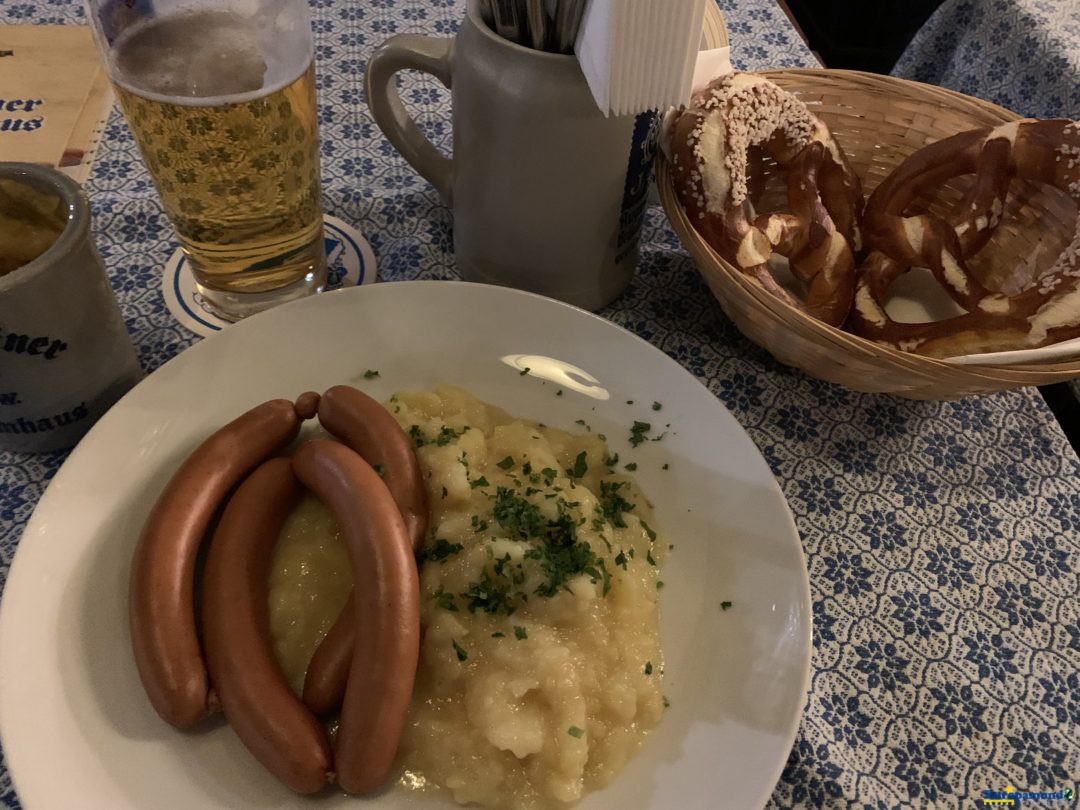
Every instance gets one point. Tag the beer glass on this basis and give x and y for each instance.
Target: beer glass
(220, 95)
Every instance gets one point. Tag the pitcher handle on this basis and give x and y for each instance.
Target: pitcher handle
(405, 52)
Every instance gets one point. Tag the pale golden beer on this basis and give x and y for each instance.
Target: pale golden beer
(230, 136)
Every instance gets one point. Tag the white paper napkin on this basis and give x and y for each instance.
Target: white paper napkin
(639, 55)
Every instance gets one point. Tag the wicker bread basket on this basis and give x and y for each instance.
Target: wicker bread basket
(880, 120)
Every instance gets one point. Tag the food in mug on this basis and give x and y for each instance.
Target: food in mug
(30, 221)
(540, 665)
(713, 143)
(1046, 309)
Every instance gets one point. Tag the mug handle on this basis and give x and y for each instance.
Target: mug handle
(405, 52)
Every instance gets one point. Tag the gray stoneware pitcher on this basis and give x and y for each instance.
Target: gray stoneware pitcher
(548, 194)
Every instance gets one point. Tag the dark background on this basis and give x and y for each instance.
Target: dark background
(859, 34)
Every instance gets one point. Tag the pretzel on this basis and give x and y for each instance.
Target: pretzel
(710, 145)
(1045, 312)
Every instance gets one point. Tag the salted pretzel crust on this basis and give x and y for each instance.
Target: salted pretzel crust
(1047, 311)
(710, 155)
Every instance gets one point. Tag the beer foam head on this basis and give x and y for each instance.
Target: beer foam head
(207, 57)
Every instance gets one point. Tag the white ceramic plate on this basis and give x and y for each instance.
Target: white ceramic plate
(77, 729)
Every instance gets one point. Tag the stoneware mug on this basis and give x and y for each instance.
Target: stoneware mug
(65, 356)
(547, 193)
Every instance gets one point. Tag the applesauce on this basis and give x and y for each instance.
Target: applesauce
(540, 664)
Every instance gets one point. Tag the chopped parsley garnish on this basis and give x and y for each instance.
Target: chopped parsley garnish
(445, 492)
(638, 431)
(649, 557)
(648, 667)
(725, 605)
(444, 599)
(667, 703)
(447, 434)
(479, 482)
(666, 466)
(563, 556)
(525, 371)
(560, 554)
(506, 463)
(575, 732)
(442, 549)
(548, 475)
(579, 422)
(461, 654)
(620, 559)
(517, 515)
(580, 467)
(517, 577)
(657, 406)
(370, 374)
(631, 466)
(558, 393)
(629, 402)
(659, 585)
(489, 596)
(519, 633)
(611, 461)
(379, 469)
(648, 530)
(526, 468)
(498, 634)
(613, 504)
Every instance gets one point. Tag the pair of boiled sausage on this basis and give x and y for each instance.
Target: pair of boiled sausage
(369, 429)
(381, 520)
(161, 601)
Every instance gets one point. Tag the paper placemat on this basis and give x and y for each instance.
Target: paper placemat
(54, 96)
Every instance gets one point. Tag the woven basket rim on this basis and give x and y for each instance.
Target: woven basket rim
(714, 28)
(894, 81)
(1024, 373)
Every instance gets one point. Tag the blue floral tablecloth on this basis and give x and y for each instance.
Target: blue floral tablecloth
(943, 540)
(1021, 54)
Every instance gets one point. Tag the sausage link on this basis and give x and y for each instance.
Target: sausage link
(369, 429)
(161, 609)
(254, 693)
(307, 405)
(328, 672)
(386, 605)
